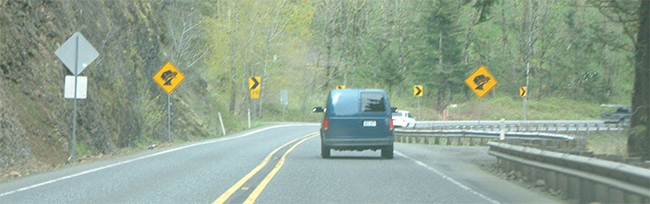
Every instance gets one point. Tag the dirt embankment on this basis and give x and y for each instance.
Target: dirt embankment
(123, 109)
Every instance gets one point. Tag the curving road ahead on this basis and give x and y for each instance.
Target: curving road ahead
(276, 164)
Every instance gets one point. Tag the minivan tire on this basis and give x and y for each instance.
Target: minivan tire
(324, 151)
(387, 152)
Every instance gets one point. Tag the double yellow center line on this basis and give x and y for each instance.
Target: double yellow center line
(258, 190)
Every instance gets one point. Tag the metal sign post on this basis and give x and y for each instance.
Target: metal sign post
(284, 100)
(481, 82)
(74, 110)
(418, 91)
(74, 52)
(169, 118)
(249, 118)
(255, 85)
(419, 110)
(524, 94)
(479, 111)
(168, 78)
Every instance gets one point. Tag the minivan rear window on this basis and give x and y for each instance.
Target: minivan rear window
(344, 104)
(372, 102)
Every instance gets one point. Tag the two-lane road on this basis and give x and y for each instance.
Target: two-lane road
(277, 164)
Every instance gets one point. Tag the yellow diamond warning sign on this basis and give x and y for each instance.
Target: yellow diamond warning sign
(481, 81)
(168, 77)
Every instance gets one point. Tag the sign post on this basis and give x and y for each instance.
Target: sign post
(418, 91)
(480, 82)
(254, 85)
(284, 100)
(523, 92)
(74, 52)
(168, 78)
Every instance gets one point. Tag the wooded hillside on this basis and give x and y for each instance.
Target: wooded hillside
(572, 50)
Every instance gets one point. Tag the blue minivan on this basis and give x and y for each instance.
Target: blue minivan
(357, 119)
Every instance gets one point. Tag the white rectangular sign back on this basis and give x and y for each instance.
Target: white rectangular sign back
(82, 85)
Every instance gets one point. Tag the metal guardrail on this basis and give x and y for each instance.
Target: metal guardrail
(480, 134)
(473, 137)
(573, 177)
(576, 177)
(568, 126)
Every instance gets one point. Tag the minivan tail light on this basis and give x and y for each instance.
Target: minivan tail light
(326, 123)
(390, 124)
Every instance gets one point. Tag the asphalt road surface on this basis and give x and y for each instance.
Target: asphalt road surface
(275, 164)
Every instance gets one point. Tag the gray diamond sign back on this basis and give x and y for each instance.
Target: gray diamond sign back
(76, 46)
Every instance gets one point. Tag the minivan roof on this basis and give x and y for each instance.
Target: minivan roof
(369, 90)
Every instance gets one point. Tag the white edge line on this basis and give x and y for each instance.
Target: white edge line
(144, 157)
(463, 186)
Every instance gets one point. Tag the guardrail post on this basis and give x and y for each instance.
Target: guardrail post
(502, 136)
(632, 198)
(471, 141)
(567, 128)
(586, 191)
(436, 141)
(601, 193)
(563, 185)
(557, 129)
(573, 187)
(551, 180)
(448, 140)
(587, 127)
(620, 129)
(615, 196)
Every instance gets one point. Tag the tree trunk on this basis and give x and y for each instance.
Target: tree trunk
(233, 77)
(639, 136)
(504, 28)
(266, 72)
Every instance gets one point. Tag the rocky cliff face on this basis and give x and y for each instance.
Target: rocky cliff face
(124, 107)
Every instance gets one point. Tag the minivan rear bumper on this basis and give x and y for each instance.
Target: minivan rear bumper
(358, 144)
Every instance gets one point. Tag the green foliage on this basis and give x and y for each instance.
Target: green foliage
(576, 52)
(551, 108)
(151, 116)
(82, 149)
(607, 143)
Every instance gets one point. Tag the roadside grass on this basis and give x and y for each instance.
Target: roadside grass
(497, 107)
(551, 108)
(607, 143)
